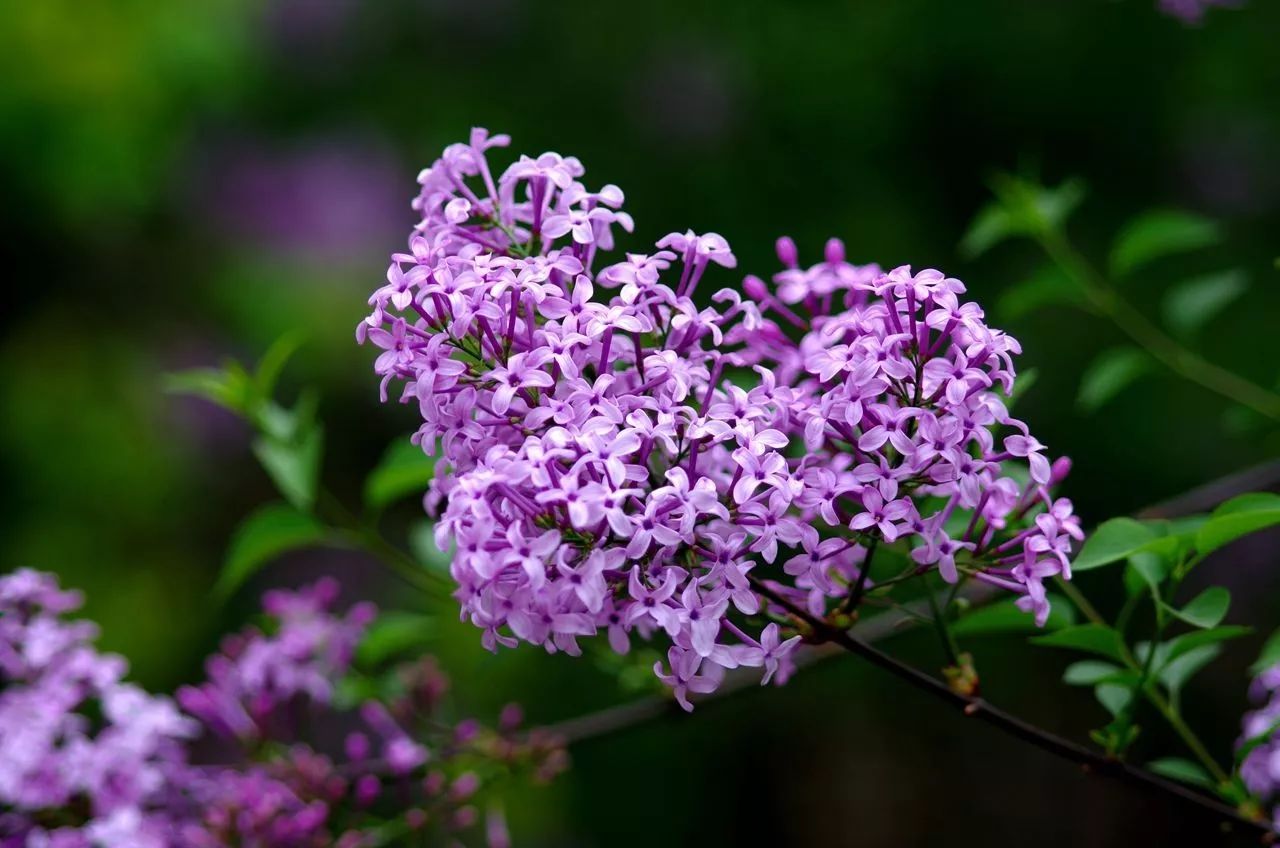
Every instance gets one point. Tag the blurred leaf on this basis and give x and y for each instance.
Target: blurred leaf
(1048, 287)
(1160, 233)
(394, 633)
(1149, 570)
(1269, 656)
(1207, 609)
(1113, 697)
(404, 470)
(1026, 379)
(1093, 638)
(1185, 771)
(1109, 373)
(990, 226)
(1114, 540)
(1022, 208)
(1238, 517)
(293, 466)
(1093, 672)
(273, 362)
(1191, 304)
(1176, 673)
(422, 542)
(1003, 616)
(228, 386)
(1188, 642)
(263, 536)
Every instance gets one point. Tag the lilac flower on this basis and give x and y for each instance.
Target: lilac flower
(1193, 11)
(1260, 737)
(602, 470)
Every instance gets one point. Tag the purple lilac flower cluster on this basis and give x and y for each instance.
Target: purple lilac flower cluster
(1193, 11)
(619, 458)
(74, 735)
(70, 779)
(1260, 769)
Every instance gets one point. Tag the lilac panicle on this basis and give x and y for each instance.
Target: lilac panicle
(73, 733)
(617, 459)
(1260, 769)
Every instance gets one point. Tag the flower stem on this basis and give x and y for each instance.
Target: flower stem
(1106, 300)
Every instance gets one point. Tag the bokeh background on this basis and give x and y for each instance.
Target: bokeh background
(183, 182)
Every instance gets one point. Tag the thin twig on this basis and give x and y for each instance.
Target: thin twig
(1090, 760)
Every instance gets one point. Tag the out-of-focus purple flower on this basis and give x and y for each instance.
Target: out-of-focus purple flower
(1193, 11)
(599, 469)
(258, 675)
(73, 733)
(1260, 733)
(330, 199)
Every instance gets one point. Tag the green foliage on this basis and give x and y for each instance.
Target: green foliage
(1176, 768)
(1094, 672)
(1188, 642)
(1022, 208)
(404, 470)
(1176, 673)
(1207, 609)
(1003, 616)
(1191, 304)
(1110, 373)
(1090, 638)
(1269, 656)
(1157, 234)
(394, 633)
(266, 534)
(422, 543)
(1236, 518)
(1047, 287)
(1113, 541)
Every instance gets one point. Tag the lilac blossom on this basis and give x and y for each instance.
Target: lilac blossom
(616, 457)
(1260, 769)
(1193, 11)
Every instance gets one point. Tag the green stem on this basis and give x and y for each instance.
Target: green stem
(945, 635)
(1177, 358)
(361, 535)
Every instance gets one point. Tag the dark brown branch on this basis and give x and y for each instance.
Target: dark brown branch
(1088, 759)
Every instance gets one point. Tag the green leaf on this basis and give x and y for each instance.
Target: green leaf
(422, 543)
(1113, 541)
(229, 386)
(1238, 517)
(1093, 672)
(1048, 287)
(273, 362)
(1205, 610)
(1188, 642)
(990, 226)
(293, 467)
(404, 470)
(1176, 768)
(1113, 696)
(1109, 374)
(1269, 656)
(1149, 570)
(1003, 616)
(1022, 208)
(1191, 304)
(1026, 379)
(1160, 233)
(1092, 638)
(394, 633)
(266, 534)
(1176, 673)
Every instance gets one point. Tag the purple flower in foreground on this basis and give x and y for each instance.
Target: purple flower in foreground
(604, 468)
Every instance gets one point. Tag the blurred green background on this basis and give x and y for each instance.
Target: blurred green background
(186, 181)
